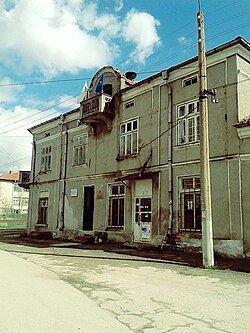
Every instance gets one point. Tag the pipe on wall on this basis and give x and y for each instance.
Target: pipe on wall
(32, 180)
(63, 170)
(170, 173)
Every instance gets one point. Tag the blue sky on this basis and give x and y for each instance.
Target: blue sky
(67, 41)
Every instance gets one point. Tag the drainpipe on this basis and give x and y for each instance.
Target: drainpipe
(63, 168)
(170, 172)
(32, 180)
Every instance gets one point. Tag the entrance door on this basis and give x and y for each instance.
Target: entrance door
(143, 211)
(88, 209)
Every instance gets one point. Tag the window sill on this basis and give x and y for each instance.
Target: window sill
(185, 145)
(191, 232)
(79, 165)
(115, 228)
(125, 157)
(45, 172)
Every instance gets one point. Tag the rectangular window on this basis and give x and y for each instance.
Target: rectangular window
(116, 206)
(16, 187)
(188, 123)
(43, 211)
(189, 81)
(16, 201)
(189, 204)
(46, 159)
(129, 104)
(129, 137)
(80, 150)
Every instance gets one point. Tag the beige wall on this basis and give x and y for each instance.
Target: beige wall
(229, 191)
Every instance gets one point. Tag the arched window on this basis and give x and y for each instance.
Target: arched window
(107, 89)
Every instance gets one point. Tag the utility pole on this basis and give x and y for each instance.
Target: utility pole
(206, 211)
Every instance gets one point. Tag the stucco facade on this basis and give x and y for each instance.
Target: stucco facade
(126, 162)
(13, 199)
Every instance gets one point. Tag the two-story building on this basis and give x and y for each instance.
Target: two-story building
(13, 199)
(126, 163)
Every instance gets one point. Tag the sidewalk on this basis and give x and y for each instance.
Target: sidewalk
(167, 255)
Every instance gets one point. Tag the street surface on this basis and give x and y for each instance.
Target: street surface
(54, 290)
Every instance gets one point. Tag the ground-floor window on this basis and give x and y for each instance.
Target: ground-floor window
(189, 204)
(43, 211)
(116, 206)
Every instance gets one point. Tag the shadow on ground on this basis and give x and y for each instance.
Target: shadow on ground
(168, 255)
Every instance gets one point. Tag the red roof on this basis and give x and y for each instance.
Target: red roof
(10, 176)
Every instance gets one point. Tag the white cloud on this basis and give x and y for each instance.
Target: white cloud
(68, 102)
(106, 25)
(15, 145)
(56, 36)
(8, 92)
(140, 28)
(46, 36)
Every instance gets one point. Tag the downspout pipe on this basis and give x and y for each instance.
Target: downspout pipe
(170, 169)
(31, 183)
(63, 170)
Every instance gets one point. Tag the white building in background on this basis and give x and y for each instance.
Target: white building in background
(13, 199)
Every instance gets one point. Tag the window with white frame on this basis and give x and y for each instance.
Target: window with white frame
(189, 204)
(46, 159)
(116, 206)
(189, 81)
(80, 150)
(188, 130)
(129, 104)
(129, 137)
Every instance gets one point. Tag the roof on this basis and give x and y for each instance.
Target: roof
(10, 177)
(238, 40)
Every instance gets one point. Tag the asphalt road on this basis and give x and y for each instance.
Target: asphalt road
(72, 290)
(34, 299)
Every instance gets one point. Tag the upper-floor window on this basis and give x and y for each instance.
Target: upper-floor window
(129, 137)
(189, 81)
(16, 187)
(129, 104)
(46, 159)
(80, 150)
(188, 123)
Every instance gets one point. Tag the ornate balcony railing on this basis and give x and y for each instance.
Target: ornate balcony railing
(97, 108)
(24, 179)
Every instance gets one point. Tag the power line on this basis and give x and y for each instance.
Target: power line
(136, 53)
(42, 82)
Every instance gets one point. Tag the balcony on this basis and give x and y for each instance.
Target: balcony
(96, 110)
(24, 179)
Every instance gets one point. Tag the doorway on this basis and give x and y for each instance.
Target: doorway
(142, 210)
(88, 208)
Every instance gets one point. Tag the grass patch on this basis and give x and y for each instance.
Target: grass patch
(13, 221)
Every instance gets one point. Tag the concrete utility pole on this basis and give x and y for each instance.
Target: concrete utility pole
(207, 231)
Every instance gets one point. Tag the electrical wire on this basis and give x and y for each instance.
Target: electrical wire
(81, 79)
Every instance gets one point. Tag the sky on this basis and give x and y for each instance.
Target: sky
(50, 48)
